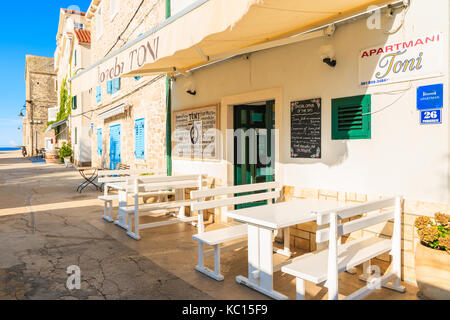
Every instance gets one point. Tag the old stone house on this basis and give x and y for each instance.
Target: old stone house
(40, 83)
(128, 114)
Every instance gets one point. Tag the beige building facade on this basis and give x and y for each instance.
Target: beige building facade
(72, 55)
(398, 156)
(342, 88)
(40, 83)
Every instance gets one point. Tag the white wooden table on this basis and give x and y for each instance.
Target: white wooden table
(262, 221)
(121, 187)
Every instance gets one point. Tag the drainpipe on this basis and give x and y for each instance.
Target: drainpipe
(168, 110)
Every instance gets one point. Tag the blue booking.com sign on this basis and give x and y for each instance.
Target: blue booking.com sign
(430, 97)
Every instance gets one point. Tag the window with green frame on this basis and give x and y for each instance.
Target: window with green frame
(351, 118)
(74, 103)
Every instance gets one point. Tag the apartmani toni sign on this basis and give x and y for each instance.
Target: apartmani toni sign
(414, 58)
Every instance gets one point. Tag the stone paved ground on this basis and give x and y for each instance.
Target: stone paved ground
(45, 227)
(38, 242)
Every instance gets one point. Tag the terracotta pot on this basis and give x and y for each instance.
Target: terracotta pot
(51, 156)
(433, 272)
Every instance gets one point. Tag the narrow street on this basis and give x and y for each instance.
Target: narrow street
(45, 228)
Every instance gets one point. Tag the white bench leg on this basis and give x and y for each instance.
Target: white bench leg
(107, 211)
(201, 263)
(182, 213)
(300, 289)
(135, 235)
(217, 260)
(201, 223)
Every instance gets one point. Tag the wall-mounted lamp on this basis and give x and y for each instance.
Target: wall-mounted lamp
(21, 115)
(328, 55)
(328, 61)
(190, 88)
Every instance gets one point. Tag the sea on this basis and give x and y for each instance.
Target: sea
(9, 148)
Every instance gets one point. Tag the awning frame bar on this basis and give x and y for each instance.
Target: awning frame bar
(324, 30)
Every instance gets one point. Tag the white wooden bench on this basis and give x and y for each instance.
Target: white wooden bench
(113, 176)
(161, 185)
(267, 192)
(323, 267)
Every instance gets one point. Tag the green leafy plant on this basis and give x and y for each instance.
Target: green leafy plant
(434, 233)
(66, 150)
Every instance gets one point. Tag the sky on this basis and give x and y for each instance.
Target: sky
(28, 27)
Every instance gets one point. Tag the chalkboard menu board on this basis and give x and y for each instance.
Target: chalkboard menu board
(306, 129)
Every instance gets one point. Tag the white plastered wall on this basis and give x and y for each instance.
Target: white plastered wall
(402, 157)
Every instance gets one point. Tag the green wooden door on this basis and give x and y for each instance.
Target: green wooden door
(253, 145)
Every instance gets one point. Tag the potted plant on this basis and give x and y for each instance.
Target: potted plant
(66, 152)
(433, 256)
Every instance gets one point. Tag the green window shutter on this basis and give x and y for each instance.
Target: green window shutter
(75, 56)
(351, 118)
(76, 135)
(74, 103)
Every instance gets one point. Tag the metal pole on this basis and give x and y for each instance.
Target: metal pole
(168, 109)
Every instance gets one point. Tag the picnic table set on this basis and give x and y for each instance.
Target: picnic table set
(254, 227)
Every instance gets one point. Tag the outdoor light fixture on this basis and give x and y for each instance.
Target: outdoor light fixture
(328, 61)
(327, 55)
(21, 115)
(190, 88)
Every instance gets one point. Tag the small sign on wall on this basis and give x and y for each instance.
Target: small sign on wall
(195, 133)
(306, 129)
(430, 116)
(404, 60)
(430, 97)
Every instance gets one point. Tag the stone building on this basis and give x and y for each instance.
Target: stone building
(40, 83)
(128, 114)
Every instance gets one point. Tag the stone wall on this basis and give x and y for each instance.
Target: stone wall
(40, 82)
(303, 235)
(144, 98)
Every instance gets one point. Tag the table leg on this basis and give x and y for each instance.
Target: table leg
(260, 262)
(122, 216)
(286, 251)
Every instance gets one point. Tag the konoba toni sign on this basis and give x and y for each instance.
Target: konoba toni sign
(128, 60)
(416, 58)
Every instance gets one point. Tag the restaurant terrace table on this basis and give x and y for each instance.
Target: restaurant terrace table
(88, 179)
(121, 188)
(262, 221)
